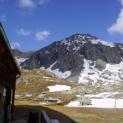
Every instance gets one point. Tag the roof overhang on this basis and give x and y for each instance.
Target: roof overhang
(8, 66)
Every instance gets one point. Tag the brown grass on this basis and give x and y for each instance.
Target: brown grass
(34, 81)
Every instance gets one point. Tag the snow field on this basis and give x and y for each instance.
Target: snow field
(57, 88)
(99, 103)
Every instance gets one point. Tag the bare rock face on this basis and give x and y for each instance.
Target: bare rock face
(99, 51)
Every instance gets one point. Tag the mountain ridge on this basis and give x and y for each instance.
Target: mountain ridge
(21, 54)
(66, 57)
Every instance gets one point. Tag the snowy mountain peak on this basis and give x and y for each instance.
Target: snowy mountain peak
(81, 39)
(81, 58)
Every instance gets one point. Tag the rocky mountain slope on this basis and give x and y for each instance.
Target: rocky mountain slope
(21, 56)
(81, 58)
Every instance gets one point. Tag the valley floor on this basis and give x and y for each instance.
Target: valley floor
(69, 114)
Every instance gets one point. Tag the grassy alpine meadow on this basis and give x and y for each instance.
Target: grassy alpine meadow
(34, 82)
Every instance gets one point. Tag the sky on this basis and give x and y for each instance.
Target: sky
(33, 24)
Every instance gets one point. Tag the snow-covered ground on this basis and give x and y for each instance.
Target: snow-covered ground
(28, 95)
(103, 95)
(106, 43)
(57, 72)
(21, 60)
(112, 73)
(57, 88)
(100, 103)
(101, 100)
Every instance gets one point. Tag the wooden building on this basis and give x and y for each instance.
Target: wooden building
(9, 72)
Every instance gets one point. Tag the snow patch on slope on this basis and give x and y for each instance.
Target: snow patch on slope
(20, 60)
(112, 73)
(57, 88)
(99, 103)
(57, 72)
(110, 44)
(76, 44)
(103, 95)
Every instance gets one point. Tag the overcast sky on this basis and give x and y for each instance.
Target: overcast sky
(33, 24)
